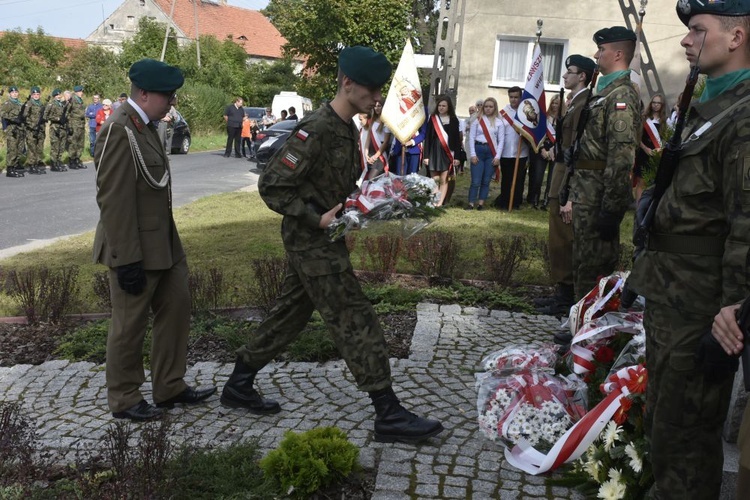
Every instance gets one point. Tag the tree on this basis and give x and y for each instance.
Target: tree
(29, 58)
(97, 69)
(317, 30)
(268, 79)
(148, 42)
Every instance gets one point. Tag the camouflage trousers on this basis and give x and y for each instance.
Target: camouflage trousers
(592, 257)
(76, 139)
(57, 138)
(13, 145)
(34, 147)
(684, 412)
(322, 279)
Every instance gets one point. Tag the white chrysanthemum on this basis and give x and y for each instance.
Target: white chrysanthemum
(635, 460)
(611, 490)
(612, 434)
(592, 468)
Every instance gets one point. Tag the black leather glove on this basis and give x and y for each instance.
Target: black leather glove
(132, 278)
(717, 365)
(627, 297)
(608, 225)
(568, 155)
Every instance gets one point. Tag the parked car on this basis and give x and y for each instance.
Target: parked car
(255, 113)
(181, 139)
(271, 140)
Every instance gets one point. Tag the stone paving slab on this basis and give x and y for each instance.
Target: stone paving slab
(68, 401)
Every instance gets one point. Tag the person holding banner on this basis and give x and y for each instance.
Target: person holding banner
(515, 150)
(654, 118)
(413, 153)
(486, 139)
(442, 143)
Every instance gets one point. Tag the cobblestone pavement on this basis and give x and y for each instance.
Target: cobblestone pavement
(68, 401)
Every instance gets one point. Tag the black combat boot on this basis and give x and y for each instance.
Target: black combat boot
(239, 392)
(564, 299)
(41, 167)
(545, 301)
(13, 172)
(73, 164)
(63, 167)
(394, 423)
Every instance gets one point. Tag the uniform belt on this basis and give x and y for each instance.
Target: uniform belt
(591, 164)
(708, 246)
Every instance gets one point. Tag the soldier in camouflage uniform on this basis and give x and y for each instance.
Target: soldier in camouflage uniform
(600, 187)
(12, 114)
(35, 133)
(697, 258)
(77, 128)
(56, 115)
(307, 181)
(579, 72)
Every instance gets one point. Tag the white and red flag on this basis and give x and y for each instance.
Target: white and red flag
(531, 115)
(403, 110)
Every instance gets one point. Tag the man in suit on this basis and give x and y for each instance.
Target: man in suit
(137, 239)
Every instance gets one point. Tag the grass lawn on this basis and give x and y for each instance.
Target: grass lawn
(228, 231)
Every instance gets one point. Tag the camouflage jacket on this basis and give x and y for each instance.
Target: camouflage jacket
(54, 111)
(10, 111)
(316, 169)
(77, 111)
(709, 197)
(567, 132)
(611, 136)
(34, 110)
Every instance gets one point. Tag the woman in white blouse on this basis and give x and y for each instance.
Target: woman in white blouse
(486, 138)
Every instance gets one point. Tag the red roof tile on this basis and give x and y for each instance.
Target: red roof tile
(248, 28)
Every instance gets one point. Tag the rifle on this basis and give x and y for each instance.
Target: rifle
(40, 122)
(575, 148)
(670, 157)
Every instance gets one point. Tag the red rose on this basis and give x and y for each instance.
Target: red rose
(604, 354)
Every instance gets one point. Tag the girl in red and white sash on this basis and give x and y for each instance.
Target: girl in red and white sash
(378, 143)
(442, 143)
(486, 137)
(654, 117)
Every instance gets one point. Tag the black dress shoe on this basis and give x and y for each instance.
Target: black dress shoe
(140, 412)
(187, 397)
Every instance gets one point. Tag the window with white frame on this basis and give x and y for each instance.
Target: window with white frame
(513, 56)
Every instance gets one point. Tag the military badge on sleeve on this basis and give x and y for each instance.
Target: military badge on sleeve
(621, 106)
(302, 135)
(290, 160)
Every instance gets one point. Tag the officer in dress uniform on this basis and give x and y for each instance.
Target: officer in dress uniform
(307, 182)
(600, 187)
(137, 239)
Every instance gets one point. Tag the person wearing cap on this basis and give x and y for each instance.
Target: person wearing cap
(696, 262)
(103, 114)
(121, 99)
(580, 70)
(600, 186)
(91, 111)
(307, 182)
(137, 239)
(76, 128)
(55, 114)
(11, 113)
(35, 132)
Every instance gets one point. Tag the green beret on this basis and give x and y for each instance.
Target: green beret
(688, 8)
(35, 90)
(78, 88)
(12, 88)
(56, 92)
(585, 64)
(614, 34)
(155, 76)
(365, 66)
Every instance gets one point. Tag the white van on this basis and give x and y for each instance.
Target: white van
(284, 100)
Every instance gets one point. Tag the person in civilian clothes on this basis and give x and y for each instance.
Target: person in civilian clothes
(486, 139)
(513, 141)
(442, 143)
(233, 115)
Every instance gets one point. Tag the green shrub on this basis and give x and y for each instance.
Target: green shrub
(304, 463)
(89, 343)
(314, 343)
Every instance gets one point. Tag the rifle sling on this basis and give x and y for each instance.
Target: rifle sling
(707, 246)
(591, 165)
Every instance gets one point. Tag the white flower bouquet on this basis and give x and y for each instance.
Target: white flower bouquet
(388, 197)
(514, 358)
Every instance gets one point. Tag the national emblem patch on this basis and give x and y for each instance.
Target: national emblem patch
(302, 135)
(621, 106)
